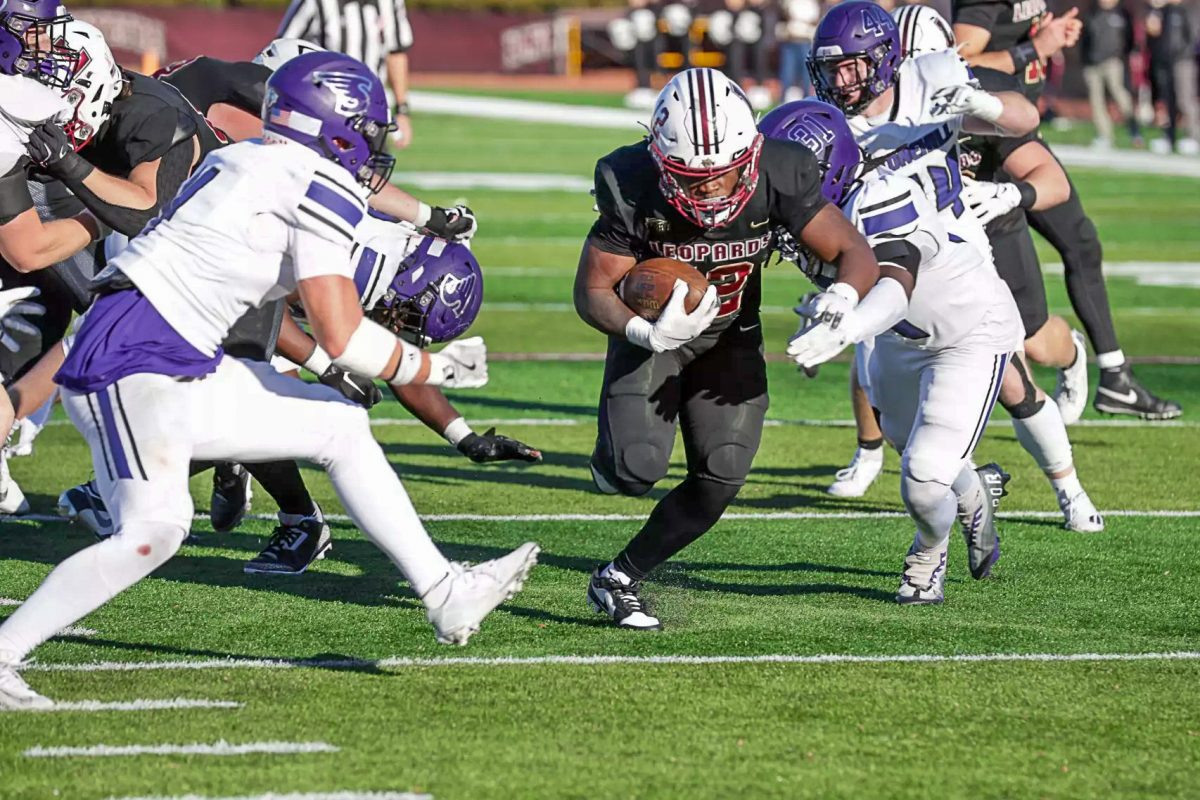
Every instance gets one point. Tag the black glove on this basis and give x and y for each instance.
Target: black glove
(50, 149)
(353, 387)
(455, 224)
(493, 447)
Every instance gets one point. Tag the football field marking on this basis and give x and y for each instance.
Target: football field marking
(293, 796)
(402, 662)
(221, 748)
(136, 705)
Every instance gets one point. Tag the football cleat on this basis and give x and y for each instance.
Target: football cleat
(977, 514)
(854, 480)
(83, 505)
(15, 693)
(473, 592)
(924, 577)
(1120, 392)
(293, 548)
(1080, 513)
(230, 496)
(12, 499)
(620, 601)
(1072, 390)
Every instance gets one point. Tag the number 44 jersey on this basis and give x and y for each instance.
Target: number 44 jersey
(908, 140)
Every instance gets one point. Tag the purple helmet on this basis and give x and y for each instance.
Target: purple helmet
(335, 105)
(821, 128)
(32, 36)
(435, 295)
(852, 33)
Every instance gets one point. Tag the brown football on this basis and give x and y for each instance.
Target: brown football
(647, 287)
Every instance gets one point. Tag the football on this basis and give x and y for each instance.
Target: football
(647, 287)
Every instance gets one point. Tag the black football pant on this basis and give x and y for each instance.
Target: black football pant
(715, 390)
(1069, 231)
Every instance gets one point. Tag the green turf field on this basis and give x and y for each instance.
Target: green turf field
(863, 699)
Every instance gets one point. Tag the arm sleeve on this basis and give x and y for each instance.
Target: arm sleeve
(172, 172)
(797, 192)
(323, 228)
(981, 15)
(611, 232)
(14, 193)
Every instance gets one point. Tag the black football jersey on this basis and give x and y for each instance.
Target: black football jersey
(636, 220)
(207, 81)
(1011, 22)
(145, 124)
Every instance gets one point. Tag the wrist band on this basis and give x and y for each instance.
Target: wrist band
(318, 362)
(1028, 194)
(400, 109)
(1023, 55)
(424, 212)
(457, 430)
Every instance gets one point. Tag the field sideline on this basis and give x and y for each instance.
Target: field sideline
(784, 668)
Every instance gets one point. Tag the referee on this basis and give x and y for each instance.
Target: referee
(376, 32)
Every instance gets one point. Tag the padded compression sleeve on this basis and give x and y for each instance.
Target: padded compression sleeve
(172, 172)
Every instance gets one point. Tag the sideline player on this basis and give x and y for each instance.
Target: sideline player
(704, 188)
(935, 375)
(232, 245)
(1017, 37)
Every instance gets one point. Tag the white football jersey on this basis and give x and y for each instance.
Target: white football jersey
(957, 285)
(253, 220)
(380, 246)
(25, 104)
(908, 140)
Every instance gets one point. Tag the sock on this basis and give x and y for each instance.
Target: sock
(86, 581)
(683, 516)
(932, 506)
(870, 450)
(966, 484)
(619, 575)
(282, 480)
(1067, 487)
(1114, 359)
(1044, 436)
(291, 520)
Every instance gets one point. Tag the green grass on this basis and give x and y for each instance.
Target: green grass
(749, 588)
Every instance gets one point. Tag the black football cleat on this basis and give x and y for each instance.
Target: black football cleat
(292, 549)
(230, 496)
(1120, 392)
(620, 601)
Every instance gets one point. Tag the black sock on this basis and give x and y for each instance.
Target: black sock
(281, 480)
(682, 517)
(871, 444)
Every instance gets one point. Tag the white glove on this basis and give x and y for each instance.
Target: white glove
(988, 200)
(675, 327)
(459, 365)
(954, 100)
(830, 305)
(14, 308)
(828, 326)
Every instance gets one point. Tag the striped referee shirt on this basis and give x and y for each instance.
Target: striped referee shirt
(368, 30)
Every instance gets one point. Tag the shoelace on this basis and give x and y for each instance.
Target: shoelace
(285, 537)
(625, 596)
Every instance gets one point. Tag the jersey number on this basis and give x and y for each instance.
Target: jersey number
(730, 280)
(947, 184)
(186, 192)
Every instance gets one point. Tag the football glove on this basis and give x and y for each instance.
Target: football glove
(461, 364)
(14, 308)
(964, 99)
(353, 387)
(50, 149)
(826, 328)
(491, 446)
(675, 327)
(455, 224)
(988, 200)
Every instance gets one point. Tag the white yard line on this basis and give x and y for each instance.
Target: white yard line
(221, 748)
(137, 705)
(294, 796)
(401, 662)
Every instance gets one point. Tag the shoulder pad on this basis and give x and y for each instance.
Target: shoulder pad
(944, 68)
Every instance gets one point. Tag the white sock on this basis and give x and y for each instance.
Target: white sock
(1067, 487)
(1044, 436)
(1110, 360)
(967, 481)
(291, 520)
(932, 506)
(615, 574)
(86, 581)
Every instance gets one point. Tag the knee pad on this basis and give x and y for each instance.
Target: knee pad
(631, 472)
(1028, 405)
(728, 463)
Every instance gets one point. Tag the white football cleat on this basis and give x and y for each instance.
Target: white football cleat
(12, 499)
(1071, 393)
(474, 591)
(924, 576)
(15, 693)
(1080, 513)
(854, 480)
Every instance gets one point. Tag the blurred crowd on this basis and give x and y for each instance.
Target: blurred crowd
(1138, 58)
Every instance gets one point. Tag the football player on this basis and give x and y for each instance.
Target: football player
(16, 307)
(257, 221)
(706, 189)
(1017, 37)
(935, 375)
